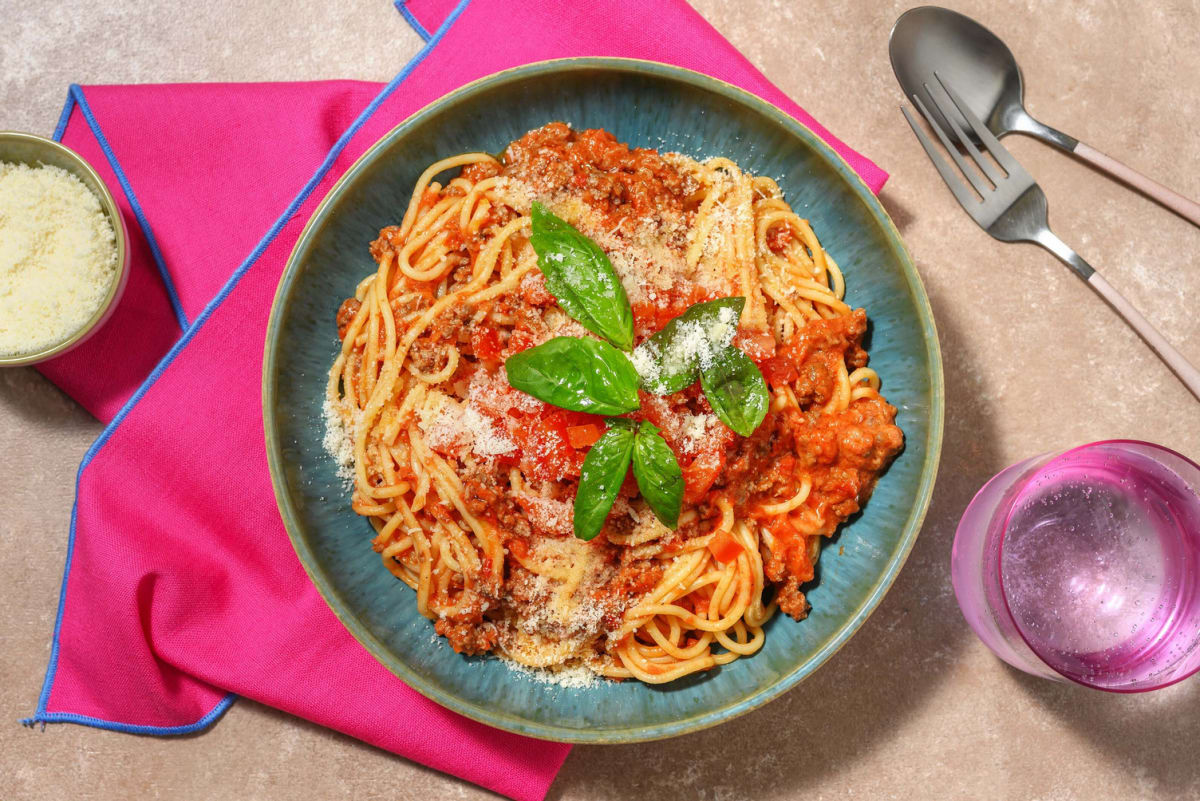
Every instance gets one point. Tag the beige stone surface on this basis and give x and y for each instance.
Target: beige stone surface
(914, 706)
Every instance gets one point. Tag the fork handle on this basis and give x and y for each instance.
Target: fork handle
(1187, 373)
(1187, 209)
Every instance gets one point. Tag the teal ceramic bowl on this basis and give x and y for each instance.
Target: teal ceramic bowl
(644, 104)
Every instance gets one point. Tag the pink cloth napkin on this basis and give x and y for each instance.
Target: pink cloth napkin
(181, 589)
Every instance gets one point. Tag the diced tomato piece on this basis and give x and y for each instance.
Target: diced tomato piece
(585, 435)
(784, 366)
(545, 447)
(578, 418)
(662, 413)
(699, 476)
(779, 370)
(702, 472)
(534, 292)
(485, 343)
(519, 341)
(510, 458)
(779, 237)
(647, 318)
(758, 345)
(724, 547)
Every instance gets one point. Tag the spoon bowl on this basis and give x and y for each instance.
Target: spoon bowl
(984, 71)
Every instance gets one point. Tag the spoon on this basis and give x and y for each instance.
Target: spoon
(929, 39)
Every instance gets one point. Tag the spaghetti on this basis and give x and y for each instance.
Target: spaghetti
(469, 483)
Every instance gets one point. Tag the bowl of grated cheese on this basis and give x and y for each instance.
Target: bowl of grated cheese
(63, 255)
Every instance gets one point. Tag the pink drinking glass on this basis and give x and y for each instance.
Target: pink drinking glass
(1084, 565)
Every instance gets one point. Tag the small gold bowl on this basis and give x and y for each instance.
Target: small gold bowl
(35, 151)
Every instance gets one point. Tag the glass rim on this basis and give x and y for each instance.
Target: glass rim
(1020, 486)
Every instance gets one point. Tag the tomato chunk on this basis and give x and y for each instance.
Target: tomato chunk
(724, 547)
(545, 443)
(518, 341)
(585, 435)
(534, 292)
(485, 343)
(758, 345)
(699, 476)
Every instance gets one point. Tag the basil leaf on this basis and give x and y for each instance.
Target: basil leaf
(583, 375)
(659, 478)
(580, 276)
(602, 474)
(736, 390)
(669, 361)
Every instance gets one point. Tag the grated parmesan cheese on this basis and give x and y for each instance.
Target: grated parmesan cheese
(485, 439)
(339, 441)
(558, 618)
(549, 515)
(514, 194)
(647, 255)
(58, 257)
(572, 677)
(450, 425)
(559, 324)
(491, 393)
(691, 344)
(698, 430)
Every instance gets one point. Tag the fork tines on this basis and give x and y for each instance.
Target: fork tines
(1013, 181)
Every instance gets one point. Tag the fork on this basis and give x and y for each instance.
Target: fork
(1012, 208)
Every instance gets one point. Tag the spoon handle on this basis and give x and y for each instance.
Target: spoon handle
(1178, 363)
(1188, 209)
(1188, 374)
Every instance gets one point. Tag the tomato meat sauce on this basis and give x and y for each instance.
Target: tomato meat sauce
(840, 454)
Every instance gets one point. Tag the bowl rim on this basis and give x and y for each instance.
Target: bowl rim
(833, 643)
(120, 234)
